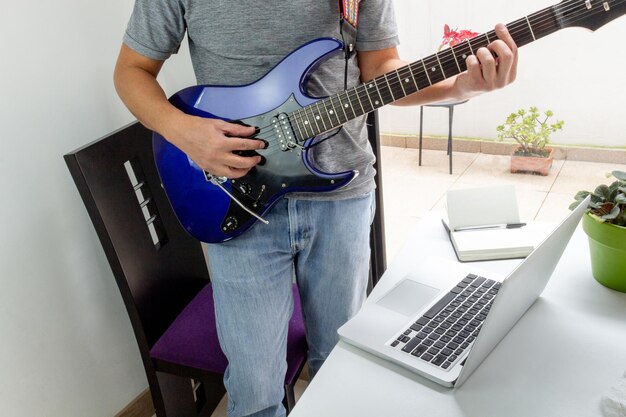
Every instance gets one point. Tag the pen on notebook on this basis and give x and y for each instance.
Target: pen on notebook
(491, 226)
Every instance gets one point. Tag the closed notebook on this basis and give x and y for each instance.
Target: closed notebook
(484, 224)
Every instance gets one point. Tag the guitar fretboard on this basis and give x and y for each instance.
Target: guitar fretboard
(332, 112)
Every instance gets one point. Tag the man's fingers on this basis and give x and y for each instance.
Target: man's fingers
(231, 172)
(244, 162)
(473, 68)
(503, 33)
(237, 130)
(487, 64)
(505, 63)
(239, 144)
(506, 37)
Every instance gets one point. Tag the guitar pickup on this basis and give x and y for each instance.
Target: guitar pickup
(283, 131)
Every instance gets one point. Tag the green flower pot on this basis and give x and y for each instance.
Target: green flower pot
(607, 244)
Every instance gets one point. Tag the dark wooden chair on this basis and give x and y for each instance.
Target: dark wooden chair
(162, 274)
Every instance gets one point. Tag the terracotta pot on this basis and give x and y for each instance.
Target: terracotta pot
(534, 164)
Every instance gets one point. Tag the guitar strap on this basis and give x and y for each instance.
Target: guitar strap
(349, 13)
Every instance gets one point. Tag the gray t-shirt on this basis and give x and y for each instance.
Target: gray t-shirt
(237, 42)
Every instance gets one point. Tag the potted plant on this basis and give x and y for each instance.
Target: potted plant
(531, 131)
(605, 226)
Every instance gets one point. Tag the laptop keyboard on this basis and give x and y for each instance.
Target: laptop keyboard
(448, 328)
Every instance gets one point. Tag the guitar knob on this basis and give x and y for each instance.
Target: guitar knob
(245, 188)
(230, 224)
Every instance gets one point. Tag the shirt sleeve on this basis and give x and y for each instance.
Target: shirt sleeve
(377, 27)
(156, 28)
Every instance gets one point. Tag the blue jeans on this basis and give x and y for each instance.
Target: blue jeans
(325, 245)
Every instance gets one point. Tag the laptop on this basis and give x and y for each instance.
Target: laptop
(445, 335)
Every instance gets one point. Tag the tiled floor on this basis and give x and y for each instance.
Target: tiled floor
(410, 190)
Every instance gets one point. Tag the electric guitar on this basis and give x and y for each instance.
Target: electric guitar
(215, 209)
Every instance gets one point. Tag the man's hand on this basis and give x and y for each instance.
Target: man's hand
(212, 143)
(486, 72)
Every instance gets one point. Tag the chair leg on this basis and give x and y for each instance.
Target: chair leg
(420, 140)
(290, 398)
(213, 392)
(451, 114)
(177, 396)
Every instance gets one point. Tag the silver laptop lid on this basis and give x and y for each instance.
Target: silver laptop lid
(520, 290)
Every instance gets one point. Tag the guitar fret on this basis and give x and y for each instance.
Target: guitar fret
(314, 120)
(410, 85)
(413, 77)
(351, 103)
(340, 105)
(435, 76)
(398, 88)
(530, 28)
(321, 116)
(389, 87)
(463, 50)
(333, 111)
(297, 123)
(385, 91)
(456, 60)
(366, 98)
(347, 106)
(470, 46)
(379, 95)
(356, 92)
(368, 95)
(449, 63)
(440, 66)
(306, 124)
(373, 89)
(401, 84)
(426, 72)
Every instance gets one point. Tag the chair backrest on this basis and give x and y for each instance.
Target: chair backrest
(158, 267)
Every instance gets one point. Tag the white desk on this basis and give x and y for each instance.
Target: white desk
(559, 359)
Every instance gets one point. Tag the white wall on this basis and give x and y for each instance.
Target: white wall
(66, 345)
(576, 73)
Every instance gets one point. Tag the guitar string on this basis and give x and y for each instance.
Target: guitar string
(546, 21)
(300, 114)
(520, 23)
(358, 91)
(539, 25)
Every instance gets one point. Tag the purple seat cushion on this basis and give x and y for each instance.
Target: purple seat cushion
(192, 341)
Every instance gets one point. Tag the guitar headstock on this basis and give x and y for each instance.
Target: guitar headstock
(590, 14)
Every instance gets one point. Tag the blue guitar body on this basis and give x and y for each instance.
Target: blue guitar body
(201, 202)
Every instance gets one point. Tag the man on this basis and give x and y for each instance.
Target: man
(323, 238)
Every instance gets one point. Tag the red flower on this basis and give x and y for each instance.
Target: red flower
(454, 37)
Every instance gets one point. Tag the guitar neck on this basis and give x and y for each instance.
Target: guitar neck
(334, 111)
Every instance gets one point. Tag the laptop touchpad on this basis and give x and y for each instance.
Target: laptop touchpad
(408, 297)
